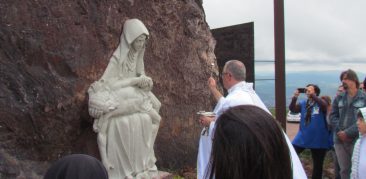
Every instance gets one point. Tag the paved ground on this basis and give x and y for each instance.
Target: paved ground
(328, 171)
(291, 129)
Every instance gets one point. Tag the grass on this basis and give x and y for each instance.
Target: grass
(307, 163)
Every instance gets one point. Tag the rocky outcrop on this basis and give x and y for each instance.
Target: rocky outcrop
(51, 51)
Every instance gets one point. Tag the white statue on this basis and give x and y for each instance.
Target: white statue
(126, 112)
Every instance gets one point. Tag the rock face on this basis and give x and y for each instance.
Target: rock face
(51, 51)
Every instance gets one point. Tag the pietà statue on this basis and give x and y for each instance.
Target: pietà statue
(126, 112)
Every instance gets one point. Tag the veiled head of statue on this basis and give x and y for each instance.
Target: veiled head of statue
(133, 28)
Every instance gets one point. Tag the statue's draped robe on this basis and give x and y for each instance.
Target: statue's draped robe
(126, 141)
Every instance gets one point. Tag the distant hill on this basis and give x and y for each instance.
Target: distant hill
(327, 81)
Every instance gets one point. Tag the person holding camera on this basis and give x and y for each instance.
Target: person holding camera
(313, 132)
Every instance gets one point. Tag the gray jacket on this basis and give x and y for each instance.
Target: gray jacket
(337, 116)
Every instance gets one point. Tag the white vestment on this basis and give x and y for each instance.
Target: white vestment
(359, 159)
(239, 94)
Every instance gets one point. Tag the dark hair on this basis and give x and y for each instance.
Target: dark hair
(364, 84)
(249, 143)
(237, 69)
(351, 75)
(342, 74)
(316, 88)
(327, 99)
(77, 166)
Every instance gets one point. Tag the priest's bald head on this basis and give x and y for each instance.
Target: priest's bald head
(234, 72)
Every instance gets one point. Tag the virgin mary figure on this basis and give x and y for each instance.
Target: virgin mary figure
(126, 112)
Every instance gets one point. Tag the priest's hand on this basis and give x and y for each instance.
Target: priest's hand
(206, 120)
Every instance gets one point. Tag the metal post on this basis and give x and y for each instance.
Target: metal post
(280, 76)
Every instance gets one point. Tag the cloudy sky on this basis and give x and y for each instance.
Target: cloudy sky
(320, 35)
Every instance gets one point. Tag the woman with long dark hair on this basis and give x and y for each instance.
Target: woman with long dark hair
(249, 143)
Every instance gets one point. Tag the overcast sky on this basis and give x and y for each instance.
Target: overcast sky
(320, 35)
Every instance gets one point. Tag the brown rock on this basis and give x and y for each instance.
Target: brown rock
(51, 51)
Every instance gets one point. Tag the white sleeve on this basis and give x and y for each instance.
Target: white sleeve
(219, 107)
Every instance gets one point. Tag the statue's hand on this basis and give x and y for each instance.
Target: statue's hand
(145, 83)
(95, 113)
(96, 127)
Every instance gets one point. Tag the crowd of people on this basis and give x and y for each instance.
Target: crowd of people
(328, 125)
(243, 140)
(236, 146)
(240, 139)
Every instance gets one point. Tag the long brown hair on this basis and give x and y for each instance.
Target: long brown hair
(249, 143)
(351, 75)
